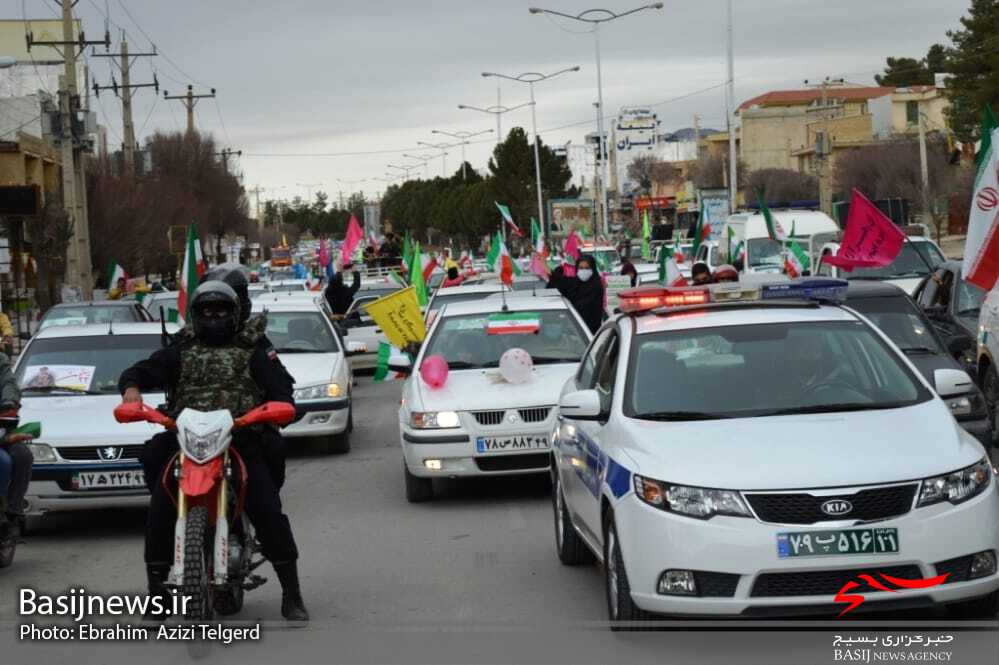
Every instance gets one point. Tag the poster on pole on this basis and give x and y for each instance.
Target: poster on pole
(568, 215)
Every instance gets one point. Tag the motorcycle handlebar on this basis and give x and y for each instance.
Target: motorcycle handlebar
(273, 413)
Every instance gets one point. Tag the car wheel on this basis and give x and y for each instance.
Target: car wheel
(990, 388)
(339, 444)
(621, 609)
(571, 549)
(418, 490)
(985, 607)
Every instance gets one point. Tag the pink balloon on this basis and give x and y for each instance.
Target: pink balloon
(434, 371)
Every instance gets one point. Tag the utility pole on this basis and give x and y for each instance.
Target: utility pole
(823, 147)
(256, 193)
(224, 154)
(74, 190)
(924, 165)
(126, 95)
(733, 158)
(190, 100)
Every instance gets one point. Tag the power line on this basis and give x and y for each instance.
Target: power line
(160, 51)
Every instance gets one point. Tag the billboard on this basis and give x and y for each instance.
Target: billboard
(569, 215)
(714, 204)
(635, 135)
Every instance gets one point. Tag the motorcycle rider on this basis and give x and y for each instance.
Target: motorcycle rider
(15, 456)
(221, 367)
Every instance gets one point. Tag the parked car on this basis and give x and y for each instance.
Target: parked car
(953, 305)
(97, 311)
(166, 300)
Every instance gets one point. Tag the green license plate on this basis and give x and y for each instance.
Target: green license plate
(839, 542)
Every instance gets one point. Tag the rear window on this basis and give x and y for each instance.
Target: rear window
(300, 332)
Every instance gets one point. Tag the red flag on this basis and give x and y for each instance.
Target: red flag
(871, 238)
(571, 247)
(353, 238)
(324, 253)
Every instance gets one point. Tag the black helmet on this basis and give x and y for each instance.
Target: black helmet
(210, 299)
(235, 275)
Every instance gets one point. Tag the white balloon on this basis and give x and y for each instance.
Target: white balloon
(516, 366)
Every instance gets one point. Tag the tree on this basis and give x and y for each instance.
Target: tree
(648, 171)
(973, 62)
(781, 185)
(513, 176)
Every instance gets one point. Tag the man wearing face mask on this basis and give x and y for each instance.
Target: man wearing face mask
(453, 277)
(587, 294)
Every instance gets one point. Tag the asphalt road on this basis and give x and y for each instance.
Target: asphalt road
(477, 564)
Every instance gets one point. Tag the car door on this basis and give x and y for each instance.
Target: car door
(935, 299)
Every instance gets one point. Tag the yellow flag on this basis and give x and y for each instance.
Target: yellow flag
(399, 317)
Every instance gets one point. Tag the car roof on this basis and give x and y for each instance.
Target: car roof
(286, 304)
(514, 304)
(101, 329)
(750, 314)
(859, 289)
(96, 303)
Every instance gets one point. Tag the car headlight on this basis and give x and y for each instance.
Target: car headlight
(42, 452)
(201, 447)
(956, 487)
(434, 420)
(322, 391)
(695, 502)
(967, 405)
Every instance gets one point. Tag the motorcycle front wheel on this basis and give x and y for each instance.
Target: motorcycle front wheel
(197, 570)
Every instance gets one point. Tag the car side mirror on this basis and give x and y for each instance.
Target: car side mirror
(952, 382)
(936, 312)
(960, 344)
(356, 349)
(401, 364)
(580, 405)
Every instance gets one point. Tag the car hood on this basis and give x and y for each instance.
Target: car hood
(483, 390)
(807, 451)
(86, 420)
(309, 369)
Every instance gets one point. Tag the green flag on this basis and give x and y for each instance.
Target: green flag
(381, 366)
(989, 123)
(407, 250)
(731, 250)
(663, 258)
(494, 252)
(773, 229)
(33, 428)
(646, 236)
(416, 276)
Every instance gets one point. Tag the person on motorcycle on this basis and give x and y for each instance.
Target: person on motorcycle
(222, 367)
(158, 450)
(15, 456)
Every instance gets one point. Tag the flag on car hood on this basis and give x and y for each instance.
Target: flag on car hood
(514, 323)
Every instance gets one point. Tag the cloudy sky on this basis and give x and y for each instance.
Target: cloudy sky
(302, 82)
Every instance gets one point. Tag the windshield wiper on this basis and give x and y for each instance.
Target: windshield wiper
(829, 408)
(68, 389)
(546, 360)
(680, 416)
(461, 364)
(918, 350)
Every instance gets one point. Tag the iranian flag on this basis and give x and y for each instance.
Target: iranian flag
(538, 239)
(981, 249)
(115, 272)
(428, 263)
(507, 266)
(796, 262)
(670, 275)
(494, 251)
(701, 233)
(508, 218)
(416, 277)
(774, 229)
(677, 252)
(514, 323)
(194, 268)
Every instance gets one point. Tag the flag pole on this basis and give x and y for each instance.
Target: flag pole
(908, 240)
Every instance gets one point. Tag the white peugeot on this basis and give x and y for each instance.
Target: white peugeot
(740, 450)
(478, 422)
(311, 350)
(69, 383)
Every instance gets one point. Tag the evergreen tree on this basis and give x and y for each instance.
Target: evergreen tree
(973, 62)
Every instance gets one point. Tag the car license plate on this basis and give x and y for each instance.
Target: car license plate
(848, 541)
(109, 480)
(485, 445)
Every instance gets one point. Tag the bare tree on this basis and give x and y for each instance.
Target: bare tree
(781, 185)
(648, 171)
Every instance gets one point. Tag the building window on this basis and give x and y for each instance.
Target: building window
(912, 113)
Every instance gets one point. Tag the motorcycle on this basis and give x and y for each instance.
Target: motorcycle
(214, 542)
(12, 532)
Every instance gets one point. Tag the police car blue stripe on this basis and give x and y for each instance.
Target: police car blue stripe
(618, 478)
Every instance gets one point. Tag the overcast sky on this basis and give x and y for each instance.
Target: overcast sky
(344, 76)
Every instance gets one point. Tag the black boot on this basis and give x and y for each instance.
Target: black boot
(292, 605)
(156, 574)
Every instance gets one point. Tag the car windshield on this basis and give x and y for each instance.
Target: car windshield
(288, 288)
(728, 372)
(528, 284)
(764, 253)
(436, 279)
(898, 317)
(78, 316)
(85, 363)
(300, 332)
(969, 299)
(911, 262)
(466, 343)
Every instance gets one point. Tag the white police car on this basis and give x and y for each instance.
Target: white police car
(478, 423)
(735, 450)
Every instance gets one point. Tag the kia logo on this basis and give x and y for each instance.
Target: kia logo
(837, 507)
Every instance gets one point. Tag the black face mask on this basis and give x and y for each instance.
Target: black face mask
(452, 273)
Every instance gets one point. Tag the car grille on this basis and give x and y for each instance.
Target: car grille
(489, 417)
(959, 569)
(513, 462)
(536, 415)
(91, 454)
(871, 504)
(715, 585)
(822, 582)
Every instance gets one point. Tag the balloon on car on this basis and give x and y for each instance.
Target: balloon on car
(434, 371)
(516, 366)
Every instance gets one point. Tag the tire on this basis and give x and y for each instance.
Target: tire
(339, 444)
(197, 583)
(621, 609)
(569, 546)
(985, 607)
(229, 601)
(418, 490)
(990, 388)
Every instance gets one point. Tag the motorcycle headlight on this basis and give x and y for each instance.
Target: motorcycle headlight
(696, 502)
(42, 452)
(972, 404)
(321, 391)
(956, 487)
(434, 420)
(202, 447)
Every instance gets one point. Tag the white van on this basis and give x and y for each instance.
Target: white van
(764, 255)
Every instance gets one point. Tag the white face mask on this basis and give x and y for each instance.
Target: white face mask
(585, 274)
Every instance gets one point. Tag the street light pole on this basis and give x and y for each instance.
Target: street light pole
(497, 111)
(424, 160)
(443, 148)
(733, 169)
(595, 17)
(530, 78)
(463, 138)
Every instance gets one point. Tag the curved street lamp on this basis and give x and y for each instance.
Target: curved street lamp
(463, 138)
(443, 148)
(496, 110)
(596, 17)
(530, 78)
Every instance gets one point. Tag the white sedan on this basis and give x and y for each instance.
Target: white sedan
(310, 348)
(478, 423)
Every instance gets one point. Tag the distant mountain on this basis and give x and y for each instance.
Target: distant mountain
(687, 134)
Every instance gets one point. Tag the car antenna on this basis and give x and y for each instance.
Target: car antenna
(111, 326)
(503, 294)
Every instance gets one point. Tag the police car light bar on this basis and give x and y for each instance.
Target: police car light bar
(644, 299)
(807, 288)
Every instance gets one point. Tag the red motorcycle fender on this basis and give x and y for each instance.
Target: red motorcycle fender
(199, 479)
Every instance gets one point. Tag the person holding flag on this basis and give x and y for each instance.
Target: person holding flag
(586, 292)
(339, 295)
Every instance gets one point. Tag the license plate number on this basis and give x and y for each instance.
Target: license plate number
(109, 480)
(486, 445)
(832, 543)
